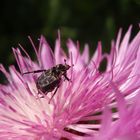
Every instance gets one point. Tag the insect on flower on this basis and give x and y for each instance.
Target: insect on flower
(50, 79)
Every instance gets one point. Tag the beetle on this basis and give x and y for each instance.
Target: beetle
(50, 79)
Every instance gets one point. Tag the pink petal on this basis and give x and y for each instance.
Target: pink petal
(46, 55)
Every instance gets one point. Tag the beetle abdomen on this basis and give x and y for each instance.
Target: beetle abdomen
(47, 84)
(51, 86)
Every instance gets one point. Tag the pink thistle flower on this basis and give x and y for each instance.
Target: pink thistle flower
(126, 127)
(75, 112)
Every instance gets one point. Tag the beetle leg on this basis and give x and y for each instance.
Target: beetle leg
(40, 93)
(54, 93)
(66, 77)
(42, 96)
(36, 71)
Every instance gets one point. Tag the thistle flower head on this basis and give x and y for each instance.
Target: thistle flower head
(79, 108)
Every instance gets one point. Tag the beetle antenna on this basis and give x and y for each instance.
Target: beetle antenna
(36, 71)
(65, 61)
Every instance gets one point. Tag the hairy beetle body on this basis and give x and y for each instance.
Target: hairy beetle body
(50, 79)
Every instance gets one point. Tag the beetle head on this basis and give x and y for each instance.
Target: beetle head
(64, 67)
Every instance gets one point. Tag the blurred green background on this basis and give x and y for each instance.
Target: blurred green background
(85, 20)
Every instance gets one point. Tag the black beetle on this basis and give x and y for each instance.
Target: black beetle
(50, 79)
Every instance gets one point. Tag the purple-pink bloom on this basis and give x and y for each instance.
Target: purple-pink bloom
(93, 105)
(127, 125)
